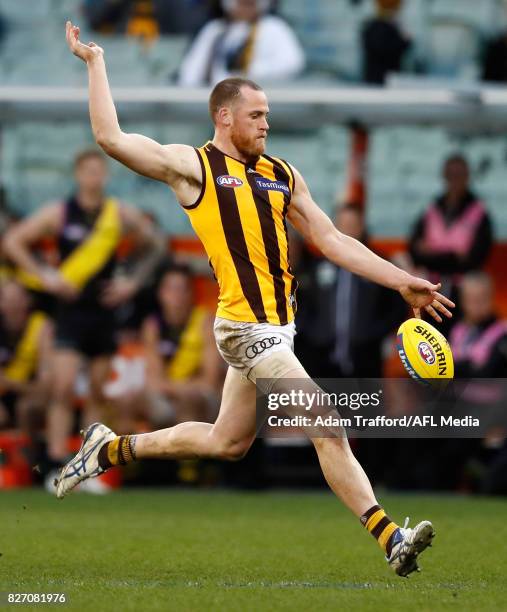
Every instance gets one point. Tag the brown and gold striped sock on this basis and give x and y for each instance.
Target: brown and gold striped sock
(380, 526)
(119, 451)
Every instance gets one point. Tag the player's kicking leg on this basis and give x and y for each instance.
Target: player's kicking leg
(228, 438)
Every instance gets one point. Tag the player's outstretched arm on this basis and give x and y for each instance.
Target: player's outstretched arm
(350, 254)
(177, 165)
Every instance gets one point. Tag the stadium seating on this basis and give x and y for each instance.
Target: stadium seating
(453, 48)
(482, 15)
(328, 29)
(329, 32)
(403, 162)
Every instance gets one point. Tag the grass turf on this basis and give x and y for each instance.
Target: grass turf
(173, 550)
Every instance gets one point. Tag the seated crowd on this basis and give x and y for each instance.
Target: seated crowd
(253, 38)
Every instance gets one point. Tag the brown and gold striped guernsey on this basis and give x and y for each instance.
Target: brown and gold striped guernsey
(240, 219)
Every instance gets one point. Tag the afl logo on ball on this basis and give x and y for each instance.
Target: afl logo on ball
(229, 181)
(426, 352)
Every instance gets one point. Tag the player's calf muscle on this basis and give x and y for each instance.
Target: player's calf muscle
(190, 440)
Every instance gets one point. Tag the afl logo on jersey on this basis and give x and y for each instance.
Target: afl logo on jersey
(229, 181)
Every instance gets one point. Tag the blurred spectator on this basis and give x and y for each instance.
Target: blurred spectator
(454, 235)
(6, 220)
(88, 226)
(107, 16)
(148, 18)
(142, 20)
(25, 342)
(384, 44)
(479, 346)
(183, 367)
(494, 65)
(131, 314)
(248, 42)
(479, 341)
(185, 16)
(342, 319)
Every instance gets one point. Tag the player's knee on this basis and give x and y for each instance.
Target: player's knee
(338, 442)
(230, 450)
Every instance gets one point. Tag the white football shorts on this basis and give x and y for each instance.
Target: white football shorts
(251, 348)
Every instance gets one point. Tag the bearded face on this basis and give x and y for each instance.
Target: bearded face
(248, 144)
(249, 127)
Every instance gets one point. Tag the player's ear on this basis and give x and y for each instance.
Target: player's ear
(224, 116)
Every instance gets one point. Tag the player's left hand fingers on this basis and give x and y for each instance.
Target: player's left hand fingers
(417, 313)
(430, 310)
(69, 35)
(444, 300)
(441, 308)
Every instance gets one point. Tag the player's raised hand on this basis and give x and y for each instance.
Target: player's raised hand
(85, 52)
(421, 294)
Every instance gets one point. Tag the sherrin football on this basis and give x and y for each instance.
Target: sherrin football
(424, 352)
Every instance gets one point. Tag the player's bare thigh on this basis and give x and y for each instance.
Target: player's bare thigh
(282, 373)
(237, 419)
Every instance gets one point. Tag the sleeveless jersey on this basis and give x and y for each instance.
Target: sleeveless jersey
(240, 217)
(76, 228)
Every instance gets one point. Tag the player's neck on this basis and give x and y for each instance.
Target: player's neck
(226, 146)
(89, 200)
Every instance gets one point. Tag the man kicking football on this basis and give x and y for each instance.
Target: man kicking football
(238, 199)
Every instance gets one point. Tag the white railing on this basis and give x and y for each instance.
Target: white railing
(296, 107)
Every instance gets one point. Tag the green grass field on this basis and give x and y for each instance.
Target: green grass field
(173, 550)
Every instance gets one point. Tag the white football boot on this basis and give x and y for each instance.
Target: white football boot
(85, 464)
(408, 543)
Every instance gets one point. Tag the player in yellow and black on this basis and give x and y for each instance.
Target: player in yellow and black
(25, 347)
(88, 227)
(239, 200)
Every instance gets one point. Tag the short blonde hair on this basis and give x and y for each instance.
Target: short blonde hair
(227, 91)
